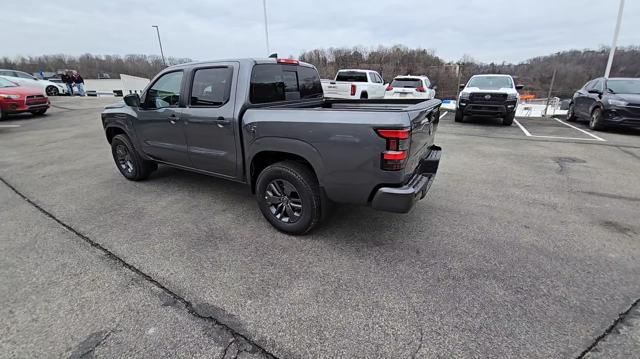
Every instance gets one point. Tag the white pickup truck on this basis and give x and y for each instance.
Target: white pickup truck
(354, 84)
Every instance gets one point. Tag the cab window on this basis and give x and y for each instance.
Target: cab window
(211, 86)
(165, 92)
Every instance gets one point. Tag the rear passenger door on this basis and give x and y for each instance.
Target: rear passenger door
(581, 98)
(209, 119)
(378, 85)
(591, 98)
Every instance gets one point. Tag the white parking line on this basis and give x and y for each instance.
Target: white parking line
(9, 126)
(581, 130)
(528, 134)
(444, 114)
(522, 128)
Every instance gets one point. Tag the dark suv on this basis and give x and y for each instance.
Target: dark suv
(607, 102)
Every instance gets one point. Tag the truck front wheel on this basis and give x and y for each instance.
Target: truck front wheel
(459, 116)
(128, 161)
(508, 119)
(289, 197)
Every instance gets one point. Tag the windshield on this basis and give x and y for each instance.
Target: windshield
(6, 83)
(490, 82)
(628, 86)
(407, 83)
(351, 76)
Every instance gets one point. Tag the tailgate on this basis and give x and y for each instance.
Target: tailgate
(336, 89)
(423, 127)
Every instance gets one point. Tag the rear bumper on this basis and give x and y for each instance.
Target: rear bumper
(402, 199)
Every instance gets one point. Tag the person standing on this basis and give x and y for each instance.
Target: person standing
(79, 82)
(66, 78)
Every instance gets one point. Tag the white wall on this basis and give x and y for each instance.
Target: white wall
(127, 84)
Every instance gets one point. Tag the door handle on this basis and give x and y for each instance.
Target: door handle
(173, 118)
(221, 121)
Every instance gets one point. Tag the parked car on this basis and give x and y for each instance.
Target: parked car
(410, 87)
(354, 84)
(489, 95)
(264, 122)
(15, 98)
(23, 78)
(607, 102)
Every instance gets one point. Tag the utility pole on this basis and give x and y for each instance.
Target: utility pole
(266, 27)
(553, 79)
(458, 70)
(160, 42)
(615, 40)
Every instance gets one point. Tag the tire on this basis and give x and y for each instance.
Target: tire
(2, 115)
(52, 91)
(364, 96)
(128, 161)
(571, 113)
(459, 116)
(283, 187)
(508, 119)
(595, 122)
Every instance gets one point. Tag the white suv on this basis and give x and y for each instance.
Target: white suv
(410, 87)
(489, 95)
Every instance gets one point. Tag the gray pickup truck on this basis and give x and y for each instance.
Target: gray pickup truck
(264, 122)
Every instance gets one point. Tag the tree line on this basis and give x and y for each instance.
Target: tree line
(573, 68)
(92, 66)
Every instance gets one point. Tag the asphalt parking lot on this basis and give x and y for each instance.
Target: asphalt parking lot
(526, 246)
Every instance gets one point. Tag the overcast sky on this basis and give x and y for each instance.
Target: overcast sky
(488, 30)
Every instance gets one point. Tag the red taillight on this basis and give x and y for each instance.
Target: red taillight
(389, 88)
(288, 61)
(395, 156)
(421, 89)
(353, 90)
(394, 134)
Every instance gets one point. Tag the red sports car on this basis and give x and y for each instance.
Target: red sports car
(16, 99)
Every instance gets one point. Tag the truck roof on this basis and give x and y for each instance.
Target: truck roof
(486, 75)
(242, 61)
(341, 70)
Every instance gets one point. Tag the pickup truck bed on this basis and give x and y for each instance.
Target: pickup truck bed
(296, 154)
(341, 129)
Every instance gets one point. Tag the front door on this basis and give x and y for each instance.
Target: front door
(209, 119)
(160, 127)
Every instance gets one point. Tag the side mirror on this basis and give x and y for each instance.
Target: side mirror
(132, 100)
(596, 91)
(519, 87)
(462, 86)
(434, 87)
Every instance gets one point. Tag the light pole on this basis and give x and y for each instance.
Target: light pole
(615, 40)
(160, 42)
(266, 28)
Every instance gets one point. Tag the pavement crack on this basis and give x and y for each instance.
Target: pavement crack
(86, 349)
(628, 152)
(226, 349)
(621, 317)
(238, 337)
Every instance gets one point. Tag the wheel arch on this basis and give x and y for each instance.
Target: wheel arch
(112, 131)
(272, 150)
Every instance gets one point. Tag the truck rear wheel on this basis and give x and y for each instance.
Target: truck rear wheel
(289, 197)
(129, 163)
